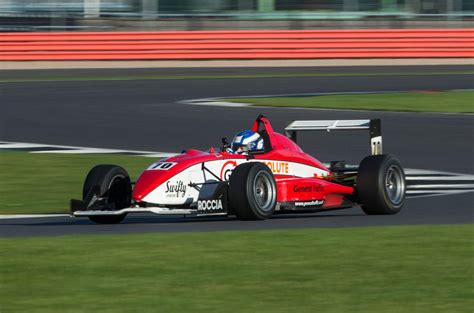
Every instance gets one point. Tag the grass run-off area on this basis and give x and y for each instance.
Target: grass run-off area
(44, 183)
(374, 269)
(428, 101)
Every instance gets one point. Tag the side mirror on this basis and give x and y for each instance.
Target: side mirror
(225, 144)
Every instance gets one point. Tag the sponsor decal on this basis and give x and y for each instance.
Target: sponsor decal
(308, 188)
(227, 169)
(210, 205)
(309, 203)
(277, 167)
(175, 190)
(162, 166)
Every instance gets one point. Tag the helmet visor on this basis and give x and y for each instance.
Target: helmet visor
(240, 148)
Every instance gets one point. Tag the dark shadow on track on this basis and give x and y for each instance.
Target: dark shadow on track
(181, 220)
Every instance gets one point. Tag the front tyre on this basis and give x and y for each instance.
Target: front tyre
(381, 184)
(252, 191)
(112, 183)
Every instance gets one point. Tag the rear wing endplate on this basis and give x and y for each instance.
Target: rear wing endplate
(373, 126)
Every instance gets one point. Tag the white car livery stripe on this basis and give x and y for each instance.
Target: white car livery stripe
(176, 190)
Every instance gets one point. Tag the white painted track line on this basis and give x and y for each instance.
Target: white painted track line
(19, 216)
(76, 149)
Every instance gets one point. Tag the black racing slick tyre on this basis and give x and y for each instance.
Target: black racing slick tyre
(252, 191)
(111, 182)
(381, 184)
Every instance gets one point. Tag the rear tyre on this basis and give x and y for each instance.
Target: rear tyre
(381, 184)
(113, 183)
(252, 191)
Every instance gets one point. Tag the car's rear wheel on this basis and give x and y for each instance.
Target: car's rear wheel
(112, 183)
(381, 184)
(252, 191)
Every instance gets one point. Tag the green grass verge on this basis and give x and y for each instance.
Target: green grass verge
(392, 269)
(44, 183)
(445, 101)
(53, 78)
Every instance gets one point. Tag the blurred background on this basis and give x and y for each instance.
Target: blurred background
(43, 15)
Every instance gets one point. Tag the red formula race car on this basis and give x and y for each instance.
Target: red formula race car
(279, 178)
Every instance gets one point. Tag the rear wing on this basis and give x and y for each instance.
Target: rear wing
(373, 126)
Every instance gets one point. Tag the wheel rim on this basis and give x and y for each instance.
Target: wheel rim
(395, 184)
(264, 192)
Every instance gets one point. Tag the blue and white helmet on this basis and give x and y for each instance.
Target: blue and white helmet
(247, 140)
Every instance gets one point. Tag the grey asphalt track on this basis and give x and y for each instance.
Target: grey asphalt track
(145, 115)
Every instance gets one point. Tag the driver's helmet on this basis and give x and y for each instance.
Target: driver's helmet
(246, 141)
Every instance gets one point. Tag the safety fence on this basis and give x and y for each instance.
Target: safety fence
(202, 45)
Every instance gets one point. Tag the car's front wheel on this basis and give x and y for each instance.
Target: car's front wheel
(381, 184)
(252, 191)
(112, 184)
